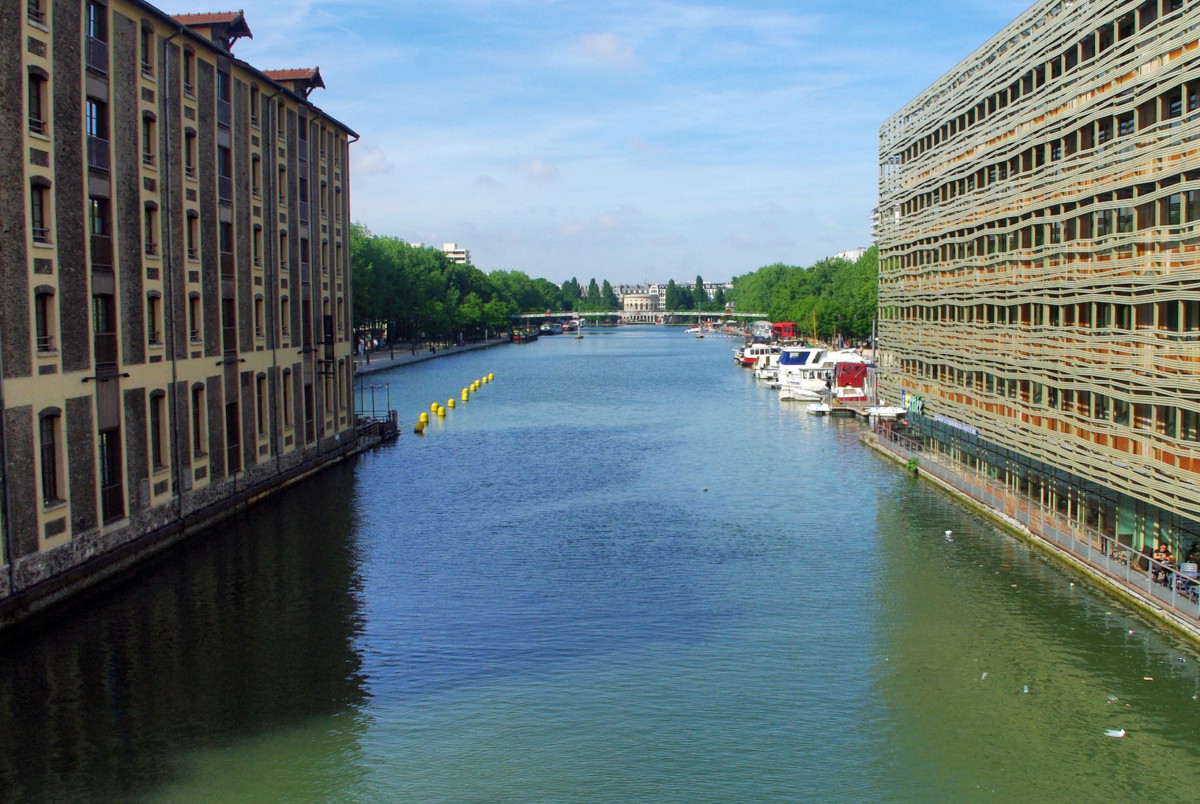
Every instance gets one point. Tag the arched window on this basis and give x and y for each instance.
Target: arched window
(50, 455)
(45, 319)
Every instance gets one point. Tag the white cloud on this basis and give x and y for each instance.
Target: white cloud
(368, 160)
(538, 170)
(607, 50)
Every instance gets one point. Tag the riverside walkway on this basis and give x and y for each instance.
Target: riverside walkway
(404, 354)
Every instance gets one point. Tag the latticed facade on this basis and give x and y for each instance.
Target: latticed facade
(175, 336)
(1039, 235)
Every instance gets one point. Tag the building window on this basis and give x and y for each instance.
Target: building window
(44, 320)
(37, 214)
(193, 227)
(284, 317)
(194, 317)
(35, 12)
(37, 102)
(224, 174)
(254, 104)
(261, 407)
(189, 154)
(96, 117)
(199, 422)
(283, 255)
(146, 47)
(285, 391)
(49, 436)
(256, 238)
(158, 404)
(154, 319)
(282, 185)
(258, 317)
(151, 220)
(223, 105)
(96, 56)
(189, 71)
(112, 492)
(149, 145)
(256, 176)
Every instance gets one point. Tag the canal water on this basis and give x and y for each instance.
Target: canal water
(623, 571)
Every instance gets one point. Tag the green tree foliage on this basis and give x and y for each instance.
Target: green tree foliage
(415, 293)
(833, 297)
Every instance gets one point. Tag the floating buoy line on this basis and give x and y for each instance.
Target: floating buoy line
(439, 410)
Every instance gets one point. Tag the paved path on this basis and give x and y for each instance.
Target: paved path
(381, 360)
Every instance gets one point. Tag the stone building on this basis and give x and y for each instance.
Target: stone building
(1039, 236)
(174, 253)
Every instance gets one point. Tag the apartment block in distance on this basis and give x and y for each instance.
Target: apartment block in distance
(1039, 235)
(174, 254)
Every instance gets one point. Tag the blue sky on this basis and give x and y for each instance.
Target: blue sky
(628, 141)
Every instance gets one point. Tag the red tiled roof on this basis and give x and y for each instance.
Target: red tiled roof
(214, 18)
(295, 74)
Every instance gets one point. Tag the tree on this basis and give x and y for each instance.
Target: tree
(699, 294)
(609, 298)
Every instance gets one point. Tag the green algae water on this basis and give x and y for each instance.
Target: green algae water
(621, 572)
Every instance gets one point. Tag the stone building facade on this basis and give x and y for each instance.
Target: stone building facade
(174, 252)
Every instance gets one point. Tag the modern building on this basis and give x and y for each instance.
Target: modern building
(852, 255)
(456, 253)
(175, 264)
(1039, 237)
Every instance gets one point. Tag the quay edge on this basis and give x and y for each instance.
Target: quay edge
(45, 580)
(1133, 595)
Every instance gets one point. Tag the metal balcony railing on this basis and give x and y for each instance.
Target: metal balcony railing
(45, 343)
(102, 253)
(97, 153)
(97, 55)
(223, 113)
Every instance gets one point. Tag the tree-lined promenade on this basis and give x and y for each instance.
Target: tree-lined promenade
(414, 293)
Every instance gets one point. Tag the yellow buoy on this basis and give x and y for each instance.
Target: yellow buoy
(450, 403)
(424, 417)
(419, 427)
(491, 377)
(433, 406)
(465, 395)
(441, 411)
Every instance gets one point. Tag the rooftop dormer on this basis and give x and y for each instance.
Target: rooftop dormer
(302, 80)
(222, 28)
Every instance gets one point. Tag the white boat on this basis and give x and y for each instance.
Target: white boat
(749, 354)
(818, 408)
(691, 331)
(767, 370)
(810, 373)
(885, 412)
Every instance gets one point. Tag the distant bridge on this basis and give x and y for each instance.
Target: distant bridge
(643, 316)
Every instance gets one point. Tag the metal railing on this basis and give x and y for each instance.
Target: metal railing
(37, 125)
(97, 152)
(45, 343)
(97, 55)
(1164, 582)
(35, 13)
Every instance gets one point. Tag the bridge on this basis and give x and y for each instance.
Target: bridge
(642, 316)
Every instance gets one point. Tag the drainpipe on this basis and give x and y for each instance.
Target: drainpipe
(168, 215)
(269, 127)
(5, 503)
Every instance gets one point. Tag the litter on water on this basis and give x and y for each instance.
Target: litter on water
(983, 677)
(1025, 688)
(1114, 732)
(1147, 678)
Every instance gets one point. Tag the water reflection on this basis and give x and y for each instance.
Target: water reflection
(1007, 671)
(243, 633)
